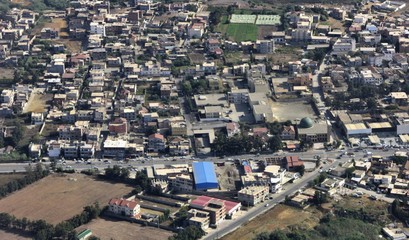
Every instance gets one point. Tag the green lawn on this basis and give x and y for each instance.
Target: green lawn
(242, 32)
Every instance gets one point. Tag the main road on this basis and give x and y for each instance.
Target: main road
(257, 210)
(145, 162)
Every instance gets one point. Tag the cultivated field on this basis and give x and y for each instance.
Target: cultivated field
(242, 32)
(278, 218)
(59, 197)
(114, 229)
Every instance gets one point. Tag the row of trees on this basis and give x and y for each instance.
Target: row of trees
(238, 144)
(44, 231)
(33, 175)
(189, 233)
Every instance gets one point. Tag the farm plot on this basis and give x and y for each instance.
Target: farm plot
(242, 32)
(59, 197)
(107, 228)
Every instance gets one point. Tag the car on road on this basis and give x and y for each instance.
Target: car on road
(266, 205)
(373, 197)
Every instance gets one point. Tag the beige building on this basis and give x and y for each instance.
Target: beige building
(200, 219)
(182, 182)
(253, 195)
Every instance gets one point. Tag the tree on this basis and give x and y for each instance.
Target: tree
(189, 233)
(191, 7)
(320, 197)
(349, 172)
(318, 162)
(300, 170)
(275, 143)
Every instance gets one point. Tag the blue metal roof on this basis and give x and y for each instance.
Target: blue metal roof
(205, 175)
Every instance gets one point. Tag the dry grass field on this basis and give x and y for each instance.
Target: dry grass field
(108, 228)
(61, 24)
(59, 197)
(278, 218)
(6, 178)
(12, 236)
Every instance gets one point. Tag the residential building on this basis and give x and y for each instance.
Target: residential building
(200, 219)
(156, 143)
(252, 195)
(265, 46)
(118, 126)
(343, 46)
(238, 96)
(114, 148)
(182, 182)
(124, 207)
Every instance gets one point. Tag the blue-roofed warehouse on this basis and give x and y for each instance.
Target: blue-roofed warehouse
(204, 175)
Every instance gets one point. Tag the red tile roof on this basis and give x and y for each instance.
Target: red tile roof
(156, 136)
(293, 161)
(123, 203)
(204, 201)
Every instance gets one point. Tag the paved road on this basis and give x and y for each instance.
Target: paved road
(20, 167)
(255, 211)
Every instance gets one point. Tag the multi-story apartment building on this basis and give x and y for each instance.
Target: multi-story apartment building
(253, 195)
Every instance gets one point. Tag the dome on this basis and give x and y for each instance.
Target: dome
(306, 123)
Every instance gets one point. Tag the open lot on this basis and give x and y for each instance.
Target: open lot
(228, 176)
(37, 101)
(108, 228)
(59, 197)
(242, 32)
(241, 113)
(278, 218)
(59, 24)
(284, 111)
(7, 74)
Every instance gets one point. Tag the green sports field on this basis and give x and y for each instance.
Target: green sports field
(242, 31)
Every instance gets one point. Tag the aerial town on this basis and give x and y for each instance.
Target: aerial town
(204, 119)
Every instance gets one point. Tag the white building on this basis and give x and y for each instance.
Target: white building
(97, 28)
(121, 206)
(343, 46)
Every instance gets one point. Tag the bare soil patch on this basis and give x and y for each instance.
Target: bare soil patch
(277, 218)
(59, 197)
(107, 228)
